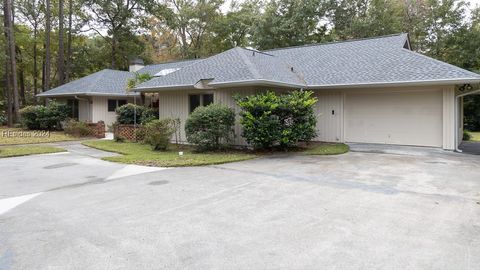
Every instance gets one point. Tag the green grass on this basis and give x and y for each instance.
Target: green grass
(141, 154)
(12, 136)
(15, 151)
(475, 136)
(327, 149)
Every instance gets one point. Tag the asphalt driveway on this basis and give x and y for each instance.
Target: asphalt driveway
(353, 211)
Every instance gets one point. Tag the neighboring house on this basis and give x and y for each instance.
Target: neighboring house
(369, 91)
(95, 97)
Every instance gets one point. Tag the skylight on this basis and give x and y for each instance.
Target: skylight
(166, 71)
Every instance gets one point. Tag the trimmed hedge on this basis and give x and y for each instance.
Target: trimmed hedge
(210, 127)
(270, 120)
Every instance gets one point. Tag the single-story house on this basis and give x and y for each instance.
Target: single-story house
(95, 97)
(374, 90)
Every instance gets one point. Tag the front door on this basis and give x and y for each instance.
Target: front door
(329, 111)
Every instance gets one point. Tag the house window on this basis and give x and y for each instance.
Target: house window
(113, 104)
(200, 100)
(72, 105)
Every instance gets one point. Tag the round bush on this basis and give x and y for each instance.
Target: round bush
(210, 127)
(270, 120)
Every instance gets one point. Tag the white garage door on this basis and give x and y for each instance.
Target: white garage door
(406, 118)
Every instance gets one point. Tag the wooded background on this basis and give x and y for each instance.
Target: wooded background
(50, 42)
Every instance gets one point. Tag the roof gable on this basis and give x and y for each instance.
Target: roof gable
(234, 65)
(368, 61)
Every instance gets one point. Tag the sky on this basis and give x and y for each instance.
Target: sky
(475, 2)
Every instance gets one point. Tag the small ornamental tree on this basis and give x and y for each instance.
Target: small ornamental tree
(158, 133)
(210, 127)
(270, 120)
(138, 79)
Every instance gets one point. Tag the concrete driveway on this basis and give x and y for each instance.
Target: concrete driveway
(353, 211)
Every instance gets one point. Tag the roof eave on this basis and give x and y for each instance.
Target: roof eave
(257, 83)
(399, 83)
(90, 94)
(220, 85)
(163, 88)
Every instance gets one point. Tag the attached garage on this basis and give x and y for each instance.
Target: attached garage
(394, 117)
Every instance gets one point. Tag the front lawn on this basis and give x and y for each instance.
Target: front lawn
(327, 149)
(12, 136)
(15, 151)
(475, 136)
(142, 154)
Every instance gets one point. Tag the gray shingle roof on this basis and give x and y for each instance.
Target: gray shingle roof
(104, 82)
(154, 69)
(379, 60)
(382, 60)
(234, 65)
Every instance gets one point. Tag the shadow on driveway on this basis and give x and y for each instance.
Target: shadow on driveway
(470, 148)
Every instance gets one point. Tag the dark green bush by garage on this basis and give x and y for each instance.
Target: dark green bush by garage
(210, 127)
(271, 120)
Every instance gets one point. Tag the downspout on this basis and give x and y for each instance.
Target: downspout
(457, 99)
(456, 108)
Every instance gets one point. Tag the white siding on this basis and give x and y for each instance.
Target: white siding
(329, 112)
(174, 105)
(100, 110)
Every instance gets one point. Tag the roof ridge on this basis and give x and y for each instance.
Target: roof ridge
(256, 51)
(115, 70)
(283, 62)
(250, 65)
(95, 77)
(334, 42)
(175, 61)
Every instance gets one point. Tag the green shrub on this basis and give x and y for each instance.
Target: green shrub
(44, 117)
(126, 114)
(3, 118)
(140, 133)
(77, 128)
(158, 133)
(466, 135)
(210, 127)
(270, 120)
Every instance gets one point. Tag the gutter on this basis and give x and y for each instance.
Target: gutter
(313, 87)
(398, 83)
(89, 94)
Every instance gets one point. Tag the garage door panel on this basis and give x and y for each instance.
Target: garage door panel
(407, 118)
